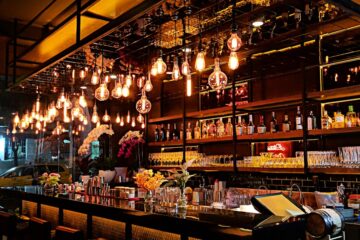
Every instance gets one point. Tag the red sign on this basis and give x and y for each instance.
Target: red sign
(280, 149)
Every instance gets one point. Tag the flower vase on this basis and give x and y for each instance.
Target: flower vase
(182, 201)
(50, 189)
(149, 201)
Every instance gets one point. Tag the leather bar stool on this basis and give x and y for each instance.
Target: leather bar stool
(67, 233)
(40, 229)
(7, 225)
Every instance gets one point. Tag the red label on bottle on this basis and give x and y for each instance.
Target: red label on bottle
(280, 149)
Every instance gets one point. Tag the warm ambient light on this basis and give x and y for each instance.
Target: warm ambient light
(233, 61)
(102, 92)
(143, 105)
(148, 85)
(133, 123)
(95, 78)
(122, 122)
(128, 117)
(128, 80)
(160, 66)
(95, 116)
(106, 118)
(140, 118)
(185, 68)
(117, 91)
(176, 71)
(82, 100)
(258, 22)
(234, 43)
(200, 61)
(125, 91)
(117, 120)
(217, 79)
(140, 82)
(188, 85)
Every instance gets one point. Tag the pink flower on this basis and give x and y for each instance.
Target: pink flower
(45, 175)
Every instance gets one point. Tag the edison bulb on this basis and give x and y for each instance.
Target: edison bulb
(185, 68)
(176, 71)
(133, 123)
(234, 43)
(82, 100)
(95, 78)
(217, 79)
(82, 74)
(102, 92)
(140, 118)
(16, 119)
(117, 118)
(153, 70)
(160, 66)
(125, 91)
(200, 61)
(140, 82)
(13, 130)
(128, 80)
(143, 105)
(233, 61)
(188, 85)
(107, 79)
(128, 117)
(117, 91)
(122, 122)
(37, 105)
(85, 122)
(143, 125)
(98, 124)
(106, 117)
(95, 116)
(67, 103)
(148, 86)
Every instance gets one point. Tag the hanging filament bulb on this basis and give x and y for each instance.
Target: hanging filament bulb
(185, 67)
(67, 103)
(82, 100)
(140, 118)
(122, 122)
(125, 91)
(234, 43)
(148, 85)
(117, 91)
(154, 70)
(13, 130)
(66, 118)
(142, 125)
(107, 78)
(200, 61)
(81, 117)
(95, 116)
(106, 117)
(102, 92)
(160, 66)
(188, 85)
(217, 79)
(77, 111)
(95, 77)
(117, 120)
(233, 61)
(143, 105)
(140, 82)
(82, 74)
(133, 123)
(128, 117)
(98, 124)
(85, 122)
(38, 125)
(176, 70)
(128, 80)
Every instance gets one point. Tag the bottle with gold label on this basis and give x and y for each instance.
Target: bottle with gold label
(220, 128)
(339, 120)
(239, 128)
(351, 117)
(197, 132)
(229, 128)
(212, 129)
(204, 129)
(326, 121)
(251, 126)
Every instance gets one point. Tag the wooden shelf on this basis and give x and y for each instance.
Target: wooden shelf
(335, 94)
(203, 169)
(334, 131)
(336, 171)
(271, 170)
(165, 144)
(271, 103)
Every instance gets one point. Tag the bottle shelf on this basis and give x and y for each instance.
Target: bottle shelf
(336, 170)
(202, 169)
(271, 170)
(334, 131)
(335, 94)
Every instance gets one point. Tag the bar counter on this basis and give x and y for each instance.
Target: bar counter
(133, 218)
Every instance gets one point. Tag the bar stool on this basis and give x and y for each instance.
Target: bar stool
(7, 225)
(66, 233)
(40, 229)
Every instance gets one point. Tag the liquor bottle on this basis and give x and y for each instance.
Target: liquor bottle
(286, 124)
(311, 121)
(157, 134)
(239, 127)
(204, 130)
(298, 119)
(181, 135)
(351, 116)
(229, 128)
(326, 121)
(197, 131)
(220, 128)
(189, 132)
(162, 133)
(175, 134)
(273, 123)
(339, 120)
(250, 127)
(212, 129)
(168, 133)
(244, 126)
(262, 127)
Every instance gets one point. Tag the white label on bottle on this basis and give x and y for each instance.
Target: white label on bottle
(310, 123)
(339, 119)
(239, 131)
(261, 129)
(286, 127)
(298, 120)
(250, 129)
